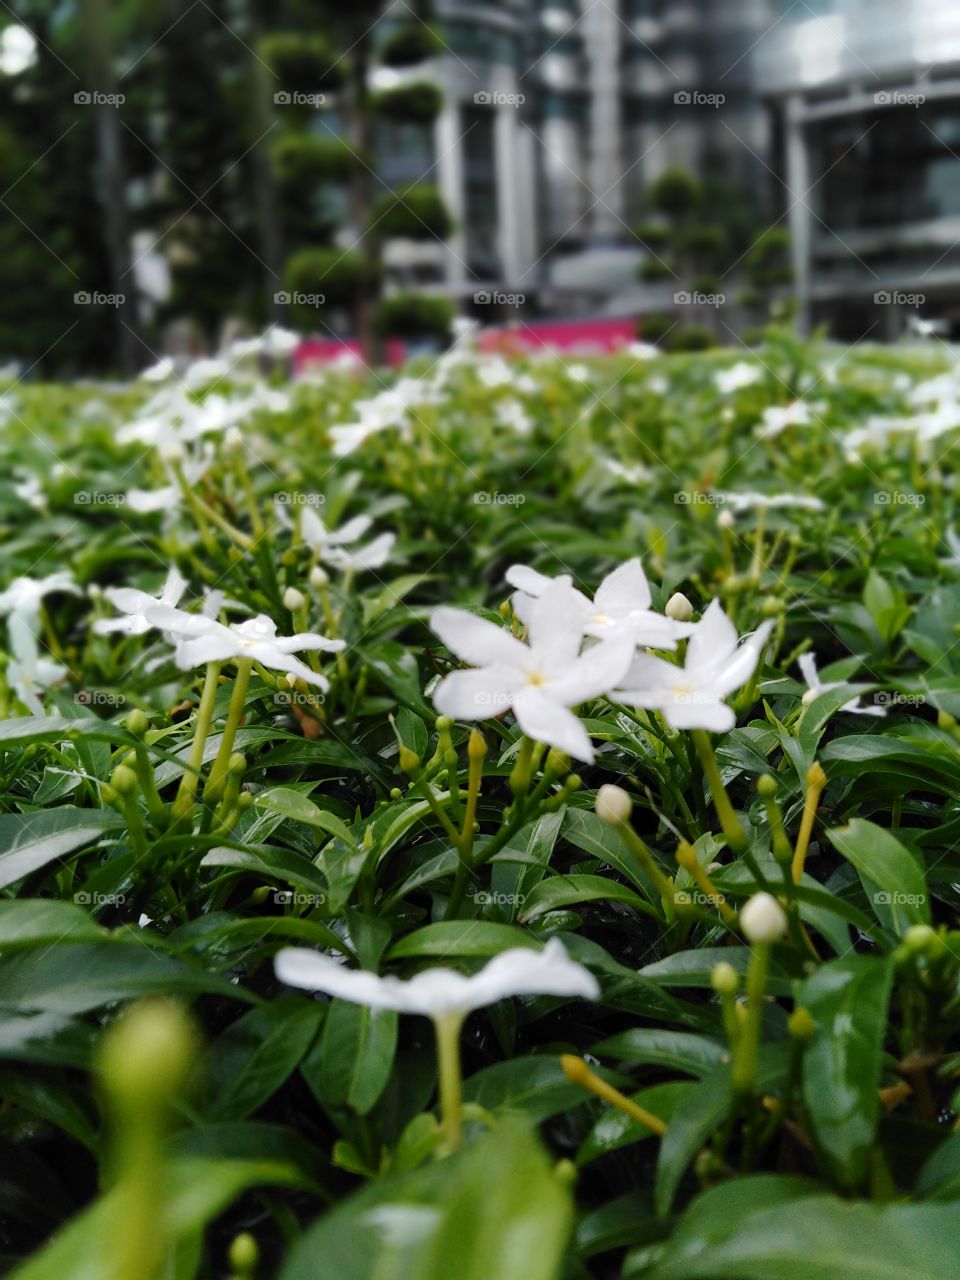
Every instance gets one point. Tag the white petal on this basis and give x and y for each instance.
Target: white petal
(478, 694)
(697, 711)
(556, 624)
(522, 971)
(477, 641)
(299, 967)
(548, 722)
(623, 590)
(714, 638)
(529, 580)
(351, 531)
(598, 670)
(808, 669)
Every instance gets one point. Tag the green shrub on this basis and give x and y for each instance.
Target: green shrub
(694, 338)
(419, 102)
(336, 274)
(415, 315)
(411, 43)
(302, 63)
(417, 212)
(306, 159)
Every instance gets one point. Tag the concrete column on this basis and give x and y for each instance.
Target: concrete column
(602, 35)
(450, 180)
(800, 219)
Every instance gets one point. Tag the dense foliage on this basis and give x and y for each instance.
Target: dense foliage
(732, 1052)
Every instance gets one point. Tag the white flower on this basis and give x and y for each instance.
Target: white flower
(539, 681)
(511, 413)
(762, 919)
(257, 639)
(328, 544)
(691, 696)
(807, 663)
(777, 419)
(635, 473)
(493, 371)
(749, 499)
(134, 605)
(620, 607)
(437, 993)
(29, 674)
(742, 374)
(24, 595)
(279, 343)
(389, 409)
(159, 372)
(29, 489)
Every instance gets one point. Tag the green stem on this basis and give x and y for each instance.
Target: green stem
(218, 772)
(748, 1043)
(188, 783)
(730, 823)
(448, 1027)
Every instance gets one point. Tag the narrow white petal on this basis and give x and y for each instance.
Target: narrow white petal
(714, 638)
(477, 641)
(478, 694)
(624, 590)
(548, 722)
(598, 670)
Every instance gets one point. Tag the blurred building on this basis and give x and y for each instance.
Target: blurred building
(841, 118)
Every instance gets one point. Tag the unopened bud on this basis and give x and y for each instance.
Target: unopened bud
(679, 607)
(724, 979)
(147, 1055)
(762, 919)
(319, 577)
(123, 780)
(137, 722)
(476, 745)
(293, 599)
(800, 1025)
(613, 805)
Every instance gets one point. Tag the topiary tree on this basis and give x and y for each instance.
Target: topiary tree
(325, 156)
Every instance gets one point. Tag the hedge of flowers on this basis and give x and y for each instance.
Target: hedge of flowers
(496, 820)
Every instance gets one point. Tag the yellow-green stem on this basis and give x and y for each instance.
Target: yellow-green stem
(218, 772)
(748, 1041)
(201, 729)
(448, 1027)
(729, 822)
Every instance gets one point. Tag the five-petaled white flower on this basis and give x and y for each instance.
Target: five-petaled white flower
(256, 638)
(25, 595)
(540, 680)
(329, 544)
(807, 663)
(440, 993)
(28, 672)
(741, 374)
(621, 606)
(691, 696)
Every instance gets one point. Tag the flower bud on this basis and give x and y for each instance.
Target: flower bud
(293, 599)
(724, 979)
(762, 919)
(147, 1055)
(244, 1255)
(613, 805)
(137, 722)
(123, 780)
(171, 451)
(918, 938)
(679, 607)
(232, 438)
(319, 577)
(409, 760)
(237, 762)
(476, 745)
(767, 786)
(725, 520)
(800, 1025)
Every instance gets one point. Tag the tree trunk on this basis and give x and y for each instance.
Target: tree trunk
(361, 140)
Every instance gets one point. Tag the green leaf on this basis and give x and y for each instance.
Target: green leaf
(462, 938)
(891, 875)
(77, 977)
(29, 841)
(31, 922)
(562, 891)
(771, 1227)
(353, 1059)
(292, 804)
(533, 1086)
(615, 1129)
(497, 1209)
(847, 999)
(256, 1054)
(654, 1046)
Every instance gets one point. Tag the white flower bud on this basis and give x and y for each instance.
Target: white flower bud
(613, 804)
(725, 520)
(293, 599)
(232, 438)
(318, 576)
(763, 919)
(679, 607)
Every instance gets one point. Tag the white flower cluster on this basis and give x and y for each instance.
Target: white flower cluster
(577, 649)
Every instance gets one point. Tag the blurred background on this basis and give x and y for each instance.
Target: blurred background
(176, 173)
